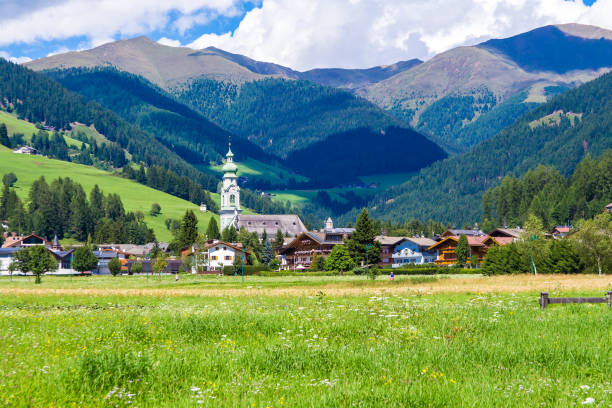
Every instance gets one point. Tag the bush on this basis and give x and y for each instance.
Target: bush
(114, 266)
(136, 268)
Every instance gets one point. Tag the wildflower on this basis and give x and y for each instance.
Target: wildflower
(588, 401)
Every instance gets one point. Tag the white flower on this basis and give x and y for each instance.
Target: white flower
(588, 401)
(194, 389)
(585, 387)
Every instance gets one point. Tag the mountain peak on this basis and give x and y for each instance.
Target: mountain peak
(585, 31)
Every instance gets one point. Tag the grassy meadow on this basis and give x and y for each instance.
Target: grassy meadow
(303, 342)
(135, 197)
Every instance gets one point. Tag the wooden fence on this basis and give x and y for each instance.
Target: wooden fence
(545, 300)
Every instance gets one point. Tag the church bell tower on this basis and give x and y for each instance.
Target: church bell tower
(230, 193)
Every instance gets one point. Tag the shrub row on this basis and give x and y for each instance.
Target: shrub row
(248, 270)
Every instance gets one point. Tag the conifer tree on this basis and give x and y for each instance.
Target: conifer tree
(188, 232)
(96, 203)
(4, 139)
(230, 234)
(266, 254)
(365, 234)
(463, 250)
(212, 231)
(278, 240)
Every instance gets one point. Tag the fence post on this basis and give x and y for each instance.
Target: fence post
(610, 298)
(543, 300)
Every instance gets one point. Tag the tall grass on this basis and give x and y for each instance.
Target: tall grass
(320, 350)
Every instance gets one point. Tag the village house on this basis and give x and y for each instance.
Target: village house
(25, 150)
(215, 255)
(446, 248)
(504, 233)
(414, 250)
(561, 231)
(608, 208)
(301, 251)
(13, 240)
(387, 248)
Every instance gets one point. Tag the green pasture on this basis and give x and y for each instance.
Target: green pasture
(168, 349)
(255, 169)
(15, 125)
(135, 196)
(382, 181)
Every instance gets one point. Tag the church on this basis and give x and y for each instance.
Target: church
(231, 214)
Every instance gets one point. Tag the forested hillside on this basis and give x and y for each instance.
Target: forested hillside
(280, 115)
(38, 98)
(143, 104)
(553, 198)
(558, 133)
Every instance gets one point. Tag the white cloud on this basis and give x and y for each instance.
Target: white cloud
(170, 42)
(98, 20)
(304, 34)
(16, 60)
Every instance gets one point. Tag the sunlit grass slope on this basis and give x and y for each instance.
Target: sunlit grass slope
(135, 197)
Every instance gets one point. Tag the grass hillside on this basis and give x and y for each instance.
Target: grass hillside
(258, 171)
(135, 197)
(15, 125)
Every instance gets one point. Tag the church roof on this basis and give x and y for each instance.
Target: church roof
(287, 223)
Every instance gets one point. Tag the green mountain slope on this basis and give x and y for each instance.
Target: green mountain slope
(181, 129)
(135, 197)
(559, 133)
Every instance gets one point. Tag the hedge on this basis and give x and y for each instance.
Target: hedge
(432, 270)
(294, 273)
(248, 269)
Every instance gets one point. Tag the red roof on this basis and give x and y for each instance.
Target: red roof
(504, 240)
(561, 229)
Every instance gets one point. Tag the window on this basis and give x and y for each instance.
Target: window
(228, 257)
(214, 257)
(232, 199)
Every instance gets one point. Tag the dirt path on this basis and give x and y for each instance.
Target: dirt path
(496, 284)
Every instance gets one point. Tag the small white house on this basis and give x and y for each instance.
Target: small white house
(25, 150)
(218, 254)
(203, 207)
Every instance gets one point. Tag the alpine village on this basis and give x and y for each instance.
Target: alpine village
(184, 225)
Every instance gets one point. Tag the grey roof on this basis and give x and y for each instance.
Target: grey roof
(465, 232)
(287, 223)
(384, 240)
(339, 230)
(508, 232)
(421, 241)
(11, 250)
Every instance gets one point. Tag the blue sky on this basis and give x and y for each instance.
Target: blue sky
(301, 34)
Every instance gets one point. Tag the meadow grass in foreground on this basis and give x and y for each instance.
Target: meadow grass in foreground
(320, 350)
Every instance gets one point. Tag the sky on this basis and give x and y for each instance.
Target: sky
(301, 34)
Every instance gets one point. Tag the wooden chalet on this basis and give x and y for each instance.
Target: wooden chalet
(479, 246)
(387, 248)
(14, 241)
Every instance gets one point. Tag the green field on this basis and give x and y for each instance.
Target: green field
(14, 125)
(209, 341)
(254, 169)
(135, 197)
(382, 181)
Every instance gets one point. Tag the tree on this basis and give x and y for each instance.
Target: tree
(339, 259)
(150, 236)
(155, 210)
(9, 179)
(4, 139)
(595, 238)
(564, 257)
(230, 234)
(188, 232)
(136, 268)
(279, 239)
(463, 250)
(266, 254)
(84, 259)
(533, 226)
(36, 259)
(364, 235)
(114, 266)
(212, 231)
(160, 264)
(474, 261)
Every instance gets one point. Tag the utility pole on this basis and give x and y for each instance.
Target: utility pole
(533, 268)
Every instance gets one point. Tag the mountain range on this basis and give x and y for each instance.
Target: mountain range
(480, 104)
